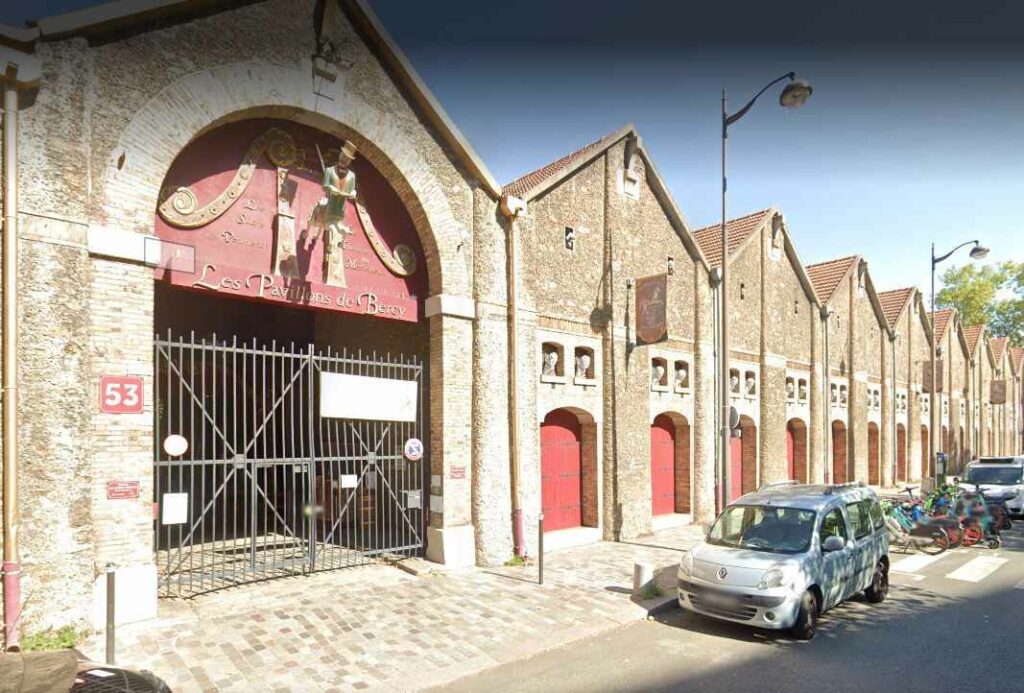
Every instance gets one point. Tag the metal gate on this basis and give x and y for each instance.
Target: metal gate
(268, 487)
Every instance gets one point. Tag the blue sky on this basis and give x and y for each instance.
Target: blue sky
(915, 132)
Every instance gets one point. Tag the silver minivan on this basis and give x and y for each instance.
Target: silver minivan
(780, 556)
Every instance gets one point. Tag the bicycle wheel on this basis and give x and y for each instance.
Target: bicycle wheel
(938, 544)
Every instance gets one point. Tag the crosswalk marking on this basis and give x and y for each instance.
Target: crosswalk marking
(977, 569)
(914, 563)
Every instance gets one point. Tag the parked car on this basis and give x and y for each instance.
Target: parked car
(780, 556)
(1000, 479)
(62, 671)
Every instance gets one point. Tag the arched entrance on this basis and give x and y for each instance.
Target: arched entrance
(901, 452)
(839, 453)
(743, 459)
(568, 470)
(670, 464)
(874, 458)
(796, 450)
(269, 359)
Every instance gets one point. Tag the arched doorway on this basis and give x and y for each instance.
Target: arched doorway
(743, 457)
(270, 359)
(796, 450)
(568, 470)
(926, 457)
(874, 458)
(901, 452)
(670, 464)
(839, 453)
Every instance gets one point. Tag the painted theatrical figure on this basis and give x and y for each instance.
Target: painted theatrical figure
(328, 216)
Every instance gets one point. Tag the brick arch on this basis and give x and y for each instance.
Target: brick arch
(209, 98)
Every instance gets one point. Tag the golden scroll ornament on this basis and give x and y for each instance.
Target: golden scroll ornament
(401, 262)
(180, 207)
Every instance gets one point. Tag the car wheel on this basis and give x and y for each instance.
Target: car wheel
(807, 618)
(879, 588)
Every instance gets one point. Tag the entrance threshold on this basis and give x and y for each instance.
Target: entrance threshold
(670, 521)
(574, 536)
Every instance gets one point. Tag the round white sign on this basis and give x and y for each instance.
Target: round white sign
(175, 445)
(414, 449)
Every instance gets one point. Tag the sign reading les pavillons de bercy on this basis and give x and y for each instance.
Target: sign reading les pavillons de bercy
(250, 211)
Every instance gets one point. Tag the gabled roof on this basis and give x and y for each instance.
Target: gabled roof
(109, 16)
(826, 276)
(539, 181)
(972, 334)
(534, 182)
(941, 318)
(740, 229)
(894, 302)
(998, 347)
(1016, 358)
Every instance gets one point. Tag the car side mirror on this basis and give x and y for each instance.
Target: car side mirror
(833, 543)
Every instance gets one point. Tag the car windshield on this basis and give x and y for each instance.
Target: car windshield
(1001, 476)
(764, 528)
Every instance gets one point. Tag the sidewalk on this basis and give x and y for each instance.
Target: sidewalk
(378, 627)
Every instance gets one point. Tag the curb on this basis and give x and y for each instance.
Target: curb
(666, 605)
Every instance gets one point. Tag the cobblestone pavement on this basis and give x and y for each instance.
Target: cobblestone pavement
(377, 627)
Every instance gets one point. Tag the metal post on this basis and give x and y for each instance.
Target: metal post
(540, 549)
(931, 408)
(111, 575)
(723, 307)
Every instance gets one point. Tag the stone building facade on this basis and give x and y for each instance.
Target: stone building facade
(462, 357)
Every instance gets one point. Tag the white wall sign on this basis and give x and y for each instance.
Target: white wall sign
(349, 480)
(345, 396)
(174, 508)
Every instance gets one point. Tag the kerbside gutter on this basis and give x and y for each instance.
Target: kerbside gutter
(17, 71)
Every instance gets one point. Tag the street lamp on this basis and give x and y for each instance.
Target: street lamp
(793, 95)
(977, 253)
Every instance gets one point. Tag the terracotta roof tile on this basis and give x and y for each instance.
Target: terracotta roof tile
(972, 334)
(825, 276)
(941, 318)
(893, 303)
(524, 184)
(998, 346)
(709, 238)
(1016, 358)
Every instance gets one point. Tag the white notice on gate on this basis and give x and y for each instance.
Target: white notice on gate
(349, 480)
(345, 396)
(174, 508)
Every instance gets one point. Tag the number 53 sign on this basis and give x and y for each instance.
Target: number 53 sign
(120, 394)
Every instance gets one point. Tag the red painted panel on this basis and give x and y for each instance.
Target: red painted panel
(234, 252)
(735, 468)
(790, 461)
(560, 466)
(663, 476)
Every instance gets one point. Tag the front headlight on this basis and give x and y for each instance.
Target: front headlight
(773, 577)
(1010, 495)
(686, 563)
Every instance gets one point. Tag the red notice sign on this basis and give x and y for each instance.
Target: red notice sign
(121, 394)
(122, 490)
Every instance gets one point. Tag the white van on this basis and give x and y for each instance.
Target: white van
(1000, 478)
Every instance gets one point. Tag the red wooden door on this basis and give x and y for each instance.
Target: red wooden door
(560, 463)
(790, 459)
(736, 468)
(874, 461)
(901, 453)
(663, 475)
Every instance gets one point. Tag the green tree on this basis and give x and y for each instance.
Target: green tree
(987, 294)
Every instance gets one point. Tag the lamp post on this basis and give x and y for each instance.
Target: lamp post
(793, 95)
(977, 252)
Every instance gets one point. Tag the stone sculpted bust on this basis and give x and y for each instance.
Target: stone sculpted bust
(790, 389)
(734, 383)
(751, 385)
(803, 390)
(583, 365)
(682, 377)
(550, 363)
(657, 375)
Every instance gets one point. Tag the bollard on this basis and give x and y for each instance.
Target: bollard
(110, 613)
(540, 549)
(643, 573)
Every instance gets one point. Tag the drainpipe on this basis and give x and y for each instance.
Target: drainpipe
(11, 562)
(513, 208)
(826, 424)
(893, 440)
